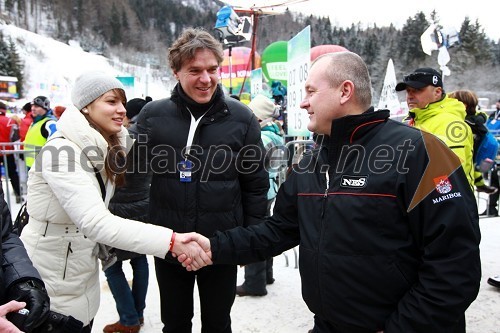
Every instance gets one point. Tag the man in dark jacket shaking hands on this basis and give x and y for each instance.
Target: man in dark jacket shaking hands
(386, 224)
(206, 156)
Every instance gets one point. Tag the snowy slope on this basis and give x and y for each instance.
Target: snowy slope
(50, 68)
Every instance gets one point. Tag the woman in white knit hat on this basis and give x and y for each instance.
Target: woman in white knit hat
(69, 220)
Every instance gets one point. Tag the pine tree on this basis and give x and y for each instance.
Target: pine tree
(16, 67)
(4, 57)
(125, 24)
(10, 62)
(116, 33)
(79, 16)
(474, 43)
(9, 5)
(354, 43)
(371, 49)
(410, 47)
(495, 47)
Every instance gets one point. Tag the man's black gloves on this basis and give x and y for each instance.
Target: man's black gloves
(33, 293)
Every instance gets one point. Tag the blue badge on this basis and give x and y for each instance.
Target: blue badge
(185, 168)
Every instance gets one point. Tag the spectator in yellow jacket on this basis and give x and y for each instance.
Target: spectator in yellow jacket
(434, 112)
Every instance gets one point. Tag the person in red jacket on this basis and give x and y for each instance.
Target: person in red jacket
(7, 127)
(26, 121)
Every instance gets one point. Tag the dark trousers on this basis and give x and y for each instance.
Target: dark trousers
(216, 288)
(492, 205)
(257, 274)
(12, 171)
(130, 302)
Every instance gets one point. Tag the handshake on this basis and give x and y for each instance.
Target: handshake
(192, 250)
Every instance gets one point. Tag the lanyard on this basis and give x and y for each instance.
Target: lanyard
(192, 129)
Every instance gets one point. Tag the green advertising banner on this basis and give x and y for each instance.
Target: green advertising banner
(299, 55)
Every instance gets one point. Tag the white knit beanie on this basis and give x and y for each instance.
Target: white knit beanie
(262, 106)
(91, 85)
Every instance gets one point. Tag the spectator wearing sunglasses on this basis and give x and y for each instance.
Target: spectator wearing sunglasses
(44, 124)
(433, 111)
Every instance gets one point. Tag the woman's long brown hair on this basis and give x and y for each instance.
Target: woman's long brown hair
(115, 163)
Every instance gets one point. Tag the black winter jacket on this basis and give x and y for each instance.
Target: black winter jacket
(477, 123)
(16, 265)
(388, 229)
(229, 183)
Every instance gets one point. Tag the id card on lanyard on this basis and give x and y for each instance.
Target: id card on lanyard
(186, 167)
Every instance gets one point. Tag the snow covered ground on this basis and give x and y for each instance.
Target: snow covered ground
(282, 310)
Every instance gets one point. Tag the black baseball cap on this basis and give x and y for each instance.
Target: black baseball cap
(420, 78)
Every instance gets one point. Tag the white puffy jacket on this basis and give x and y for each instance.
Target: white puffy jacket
(68, 218)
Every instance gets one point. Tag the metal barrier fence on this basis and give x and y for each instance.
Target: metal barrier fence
(21, 169)
(295, 148)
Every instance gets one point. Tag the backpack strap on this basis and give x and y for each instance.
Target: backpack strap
(101, 183)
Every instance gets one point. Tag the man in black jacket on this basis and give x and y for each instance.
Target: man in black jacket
(207, 158)
(383, 214)
(19, 280)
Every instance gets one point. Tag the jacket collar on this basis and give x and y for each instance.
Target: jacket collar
(47, 114)
(352, 129)
(182, 100)
(446, 104)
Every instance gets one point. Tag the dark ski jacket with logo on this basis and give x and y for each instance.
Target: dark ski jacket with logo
(386, 224)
